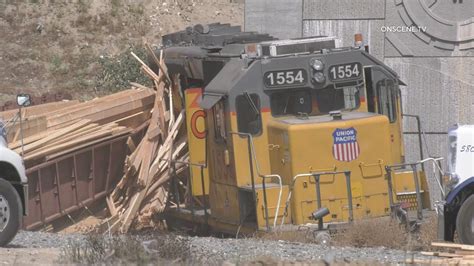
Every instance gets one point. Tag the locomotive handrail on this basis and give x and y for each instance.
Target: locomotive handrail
(316, 176)
(414, 169)
(203, 187)
(420, 138)
(435, 162)
(253, 156)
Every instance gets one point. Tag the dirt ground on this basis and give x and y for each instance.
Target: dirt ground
(48, 45)
(28, 256)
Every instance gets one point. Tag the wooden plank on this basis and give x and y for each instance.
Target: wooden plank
(109, 224)
(28, 140)
(30, 147)
(464, 252)
(31, 126)
(157, 62)
(111, 206)
(441, 254)
(135, 120)
(154, 134)
(174, 131)
(145, 68)
(78, 145)
(106, 112)
(72, 144)
(140, 86)
(149, 148)
(447, 245)
(103, 102)
(427, 261)
(95, 101)
(72, 136)
(131, 144)
(161, 108)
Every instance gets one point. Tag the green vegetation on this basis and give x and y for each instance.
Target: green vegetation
(136, 9)
(116, 4)
(57, 66)
(83, 6)
(118, 71)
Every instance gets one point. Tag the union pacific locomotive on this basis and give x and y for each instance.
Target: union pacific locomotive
(288, 132)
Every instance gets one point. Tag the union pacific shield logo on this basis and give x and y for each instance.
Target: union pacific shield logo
(345, 148)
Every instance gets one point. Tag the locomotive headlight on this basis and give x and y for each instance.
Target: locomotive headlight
(319, 77)
(317, 65)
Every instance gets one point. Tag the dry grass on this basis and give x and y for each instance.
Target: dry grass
(302, 236)
(117, 250)
(97, 249)
(372, 233)
(426, 235)
(368, 233)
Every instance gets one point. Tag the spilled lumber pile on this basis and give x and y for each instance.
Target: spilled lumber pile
(142, 193)
(55, 129)
(453, 254)
(48, 117)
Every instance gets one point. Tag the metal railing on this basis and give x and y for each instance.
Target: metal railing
(252, 157)
(316, 176)
(414, 169)
(203, 185)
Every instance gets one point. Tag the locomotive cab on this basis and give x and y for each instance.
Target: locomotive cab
(289, 128)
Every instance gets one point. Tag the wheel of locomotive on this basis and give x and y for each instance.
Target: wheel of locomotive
(10, 212)
(465, 221)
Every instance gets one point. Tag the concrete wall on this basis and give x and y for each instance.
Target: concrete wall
(343, 18)
(436, 61)
(280, 18)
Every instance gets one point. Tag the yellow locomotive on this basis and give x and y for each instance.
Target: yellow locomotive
(288, 132)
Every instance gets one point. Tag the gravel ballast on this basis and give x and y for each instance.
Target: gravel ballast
(211, 250)
(29, 239)
(235, 250)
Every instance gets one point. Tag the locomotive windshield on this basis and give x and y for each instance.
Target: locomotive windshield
(314, 102)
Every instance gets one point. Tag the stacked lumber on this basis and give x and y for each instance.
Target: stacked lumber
(454, 254)
(51, 129)
(142, 193)
(52, 144)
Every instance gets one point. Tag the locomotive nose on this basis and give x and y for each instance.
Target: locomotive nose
(333, 143)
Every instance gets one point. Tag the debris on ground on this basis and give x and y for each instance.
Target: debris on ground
(451, 254)
(142, 191)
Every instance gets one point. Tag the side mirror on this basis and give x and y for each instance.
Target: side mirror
(23, 100)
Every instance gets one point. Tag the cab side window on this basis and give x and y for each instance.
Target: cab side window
(219, 121)
(248, 114)
(387, 99)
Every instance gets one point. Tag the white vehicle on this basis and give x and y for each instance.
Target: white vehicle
(456, 214)
(13, 186)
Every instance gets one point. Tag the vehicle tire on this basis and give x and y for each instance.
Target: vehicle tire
(465, 221)
(10, 212)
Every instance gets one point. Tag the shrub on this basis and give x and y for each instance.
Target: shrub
(372, 233)
(118, 71)
(97, 249)
(124, 249)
